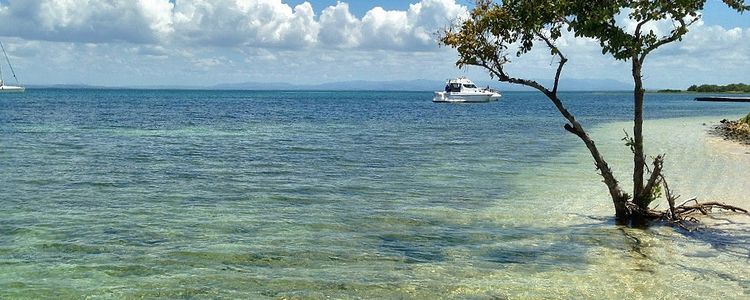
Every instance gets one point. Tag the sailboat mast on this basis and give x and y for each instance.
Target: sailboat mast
(9, 65)
(1, 74)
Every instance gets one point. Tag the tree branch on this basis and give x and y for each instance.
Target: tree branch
(557, 52)
(671, 198)
(637, 36)
(637, 33)
(677, 33)
(655, 177)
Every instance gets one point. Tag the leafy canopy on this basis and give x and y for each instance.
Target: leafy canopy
(484, 38)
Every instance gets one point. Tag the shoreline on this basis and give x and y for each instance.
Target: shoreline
(682, 92)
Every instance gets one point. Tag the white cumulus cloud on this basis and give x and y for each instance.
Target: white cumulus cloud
(228, 23)
(707, 54)
(146, 41)
(141, 21)
(413, 29)
(339, 28)
(258, 23)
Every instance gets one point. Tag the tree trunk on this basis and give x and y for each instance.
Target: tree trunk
(638, 218)
(638, 157)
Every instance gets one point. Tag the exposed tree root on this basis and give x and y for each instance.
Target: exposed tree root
(683, 215)
(684, 218)
(706, 207)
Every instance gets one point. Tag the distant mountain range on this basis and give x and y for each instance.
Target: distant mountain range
(363, 85)
(357, 85)
(425, 85)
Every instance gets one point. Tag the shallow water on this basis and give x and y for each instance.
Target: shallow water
(221, 194)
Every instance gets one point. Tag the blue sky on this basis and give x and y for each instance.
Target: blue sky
(717, 13)
(206, 42)
(360, 7)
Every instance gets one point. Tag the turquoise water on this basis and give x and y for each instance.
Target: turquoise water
(237, 194)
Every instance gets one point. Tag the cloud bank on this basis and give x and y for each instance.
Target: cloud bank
(228, 23)
(141, 21)
(145, 41)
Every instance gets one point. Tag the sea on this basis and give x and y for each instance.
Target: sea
(186, 194)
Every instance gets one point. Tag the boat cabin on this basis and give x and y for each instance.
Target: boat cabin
(460, 84)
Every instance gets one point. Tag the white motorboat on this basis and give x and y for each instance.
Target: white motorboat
(4, 88)
(461, 89)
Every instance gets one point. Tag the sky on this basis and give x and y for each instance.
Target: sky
(208, 42)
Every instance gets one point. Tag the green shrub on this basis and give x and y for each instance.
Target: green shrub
(746, 119)
(712, 88)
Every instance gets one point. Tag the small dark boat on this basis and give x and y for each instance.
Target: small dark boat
(723, 99)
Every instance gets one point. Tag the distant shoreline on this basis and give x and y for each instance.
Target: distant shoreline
(735, 88)
(694, 93)
(367, 85)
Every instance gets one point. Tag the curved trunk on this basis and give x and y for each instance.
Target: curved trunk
(619, 198)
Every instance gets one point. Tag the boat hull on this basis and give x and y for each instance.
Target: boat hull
(723, 99)
(453, 97)
(12, 89)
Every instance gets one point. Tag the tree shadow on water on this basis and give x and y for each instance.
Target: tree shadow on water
(539, 248)
(544, 247)
(724, 234)
(730, 236)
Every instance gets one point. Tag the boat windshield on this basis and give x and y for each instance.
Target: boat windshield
(470, 86)
(455, 87)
